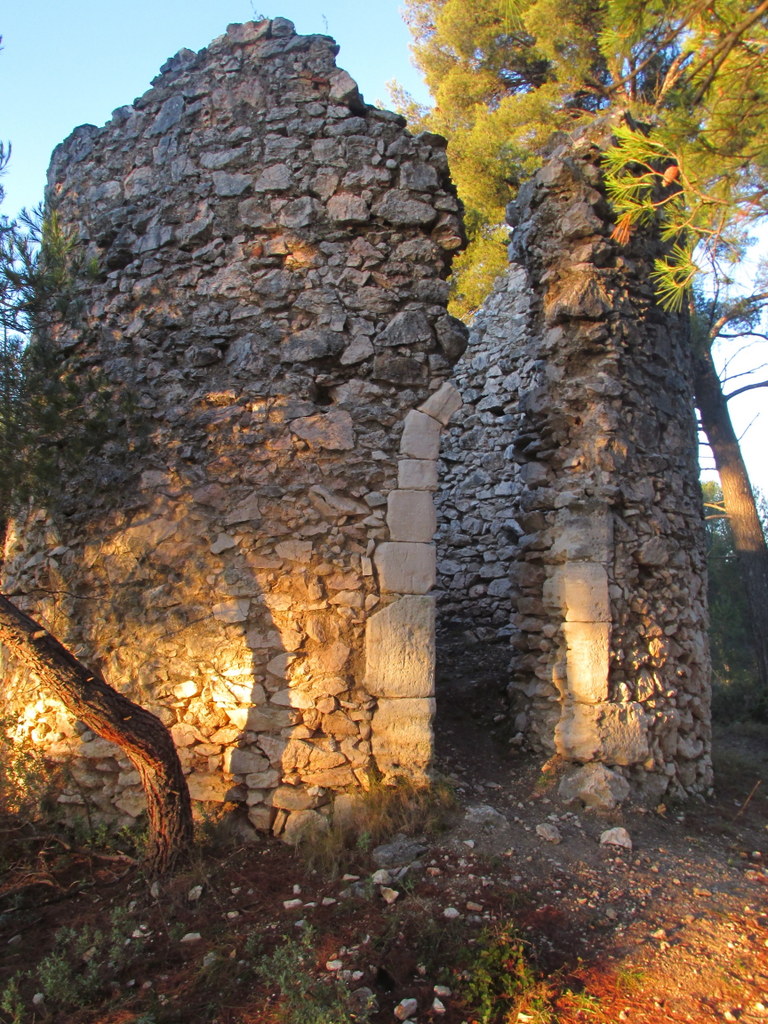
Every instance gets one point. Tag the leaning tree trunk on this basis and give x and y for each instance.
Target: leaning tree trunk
(141, 735)
(739, 501)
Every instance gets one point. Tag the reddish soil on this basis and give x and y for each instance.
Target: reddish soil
(675, 930)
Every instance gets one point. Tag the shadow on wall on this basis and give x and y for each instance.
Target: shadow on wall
(285, 667)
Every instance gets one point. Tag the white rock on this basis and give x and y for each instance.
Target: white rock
(549, 833)
(400, 649)
(616, 837)
(411, 516)
(195, 893)
(443, 403)
(405, 1008)
(596, 786)
(222, 543)
(417, 474)
(451, 913)
(401, 736)
(333, 431)
(421, 436)
(191, 937)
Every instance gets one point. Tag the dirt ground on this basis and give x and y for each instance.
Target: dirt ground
(676, 929)
(673, 930)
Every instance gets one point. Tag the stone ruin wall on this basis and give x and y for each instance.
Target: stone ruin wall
(583, 439)
(250, 554)
(480, 478)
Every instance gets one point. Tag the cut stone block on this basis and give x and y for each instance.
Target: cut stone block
(411, 516)
(587, 535)
(400, 649)
(580, 591)
(587, 660)
(401, 737)
(443, 403)
(421, 436)
(417, 474)
(405, 568)
(611, 733)
(576, 734)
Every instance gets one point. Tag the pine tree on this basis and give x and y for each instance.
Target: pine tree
(714, 320)
(692, 75)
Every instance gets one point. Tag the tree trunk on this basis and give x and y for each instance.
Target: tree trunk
(739, 501)
(141, 735)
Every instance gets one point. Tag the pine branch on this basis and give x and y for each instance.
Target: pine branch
(721, 52)
(672, 35)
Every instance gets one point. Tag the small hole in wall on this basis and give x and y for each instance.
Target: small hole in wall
(323, 395)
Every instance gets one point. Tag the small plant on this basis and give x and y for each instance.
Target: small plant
(306, 998)
(583, 1003)
(11, 1002)
(499, 984)
(81, 964)
(629, 979)
(24, 773)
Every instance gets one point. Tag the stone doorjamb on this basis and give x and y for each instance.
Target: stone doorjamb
(400, 638)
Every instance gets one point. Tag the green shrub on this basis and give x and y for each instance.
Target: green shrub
(498, 983)
(305, 997)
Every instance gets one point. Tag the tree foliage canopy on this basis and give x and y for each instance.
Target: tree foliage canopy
(691, 74)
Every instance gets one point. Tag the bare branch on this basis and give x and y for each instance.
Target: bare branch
(745, 334)
(747, 387)
(748, 427)
(726, 378)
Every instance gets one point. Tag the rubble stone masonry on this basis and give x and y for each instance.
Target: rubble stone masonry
(571, 511)
(249, 551)
(250, 554)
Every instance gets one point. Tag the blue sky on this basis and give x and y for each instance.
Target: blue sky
(69, 63)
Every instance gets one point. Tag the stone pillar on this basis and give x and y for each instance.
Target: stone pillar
(400, 639)
(607, 579)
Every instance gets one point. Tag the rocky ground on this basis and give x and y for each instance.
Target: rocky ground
(511, 910)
